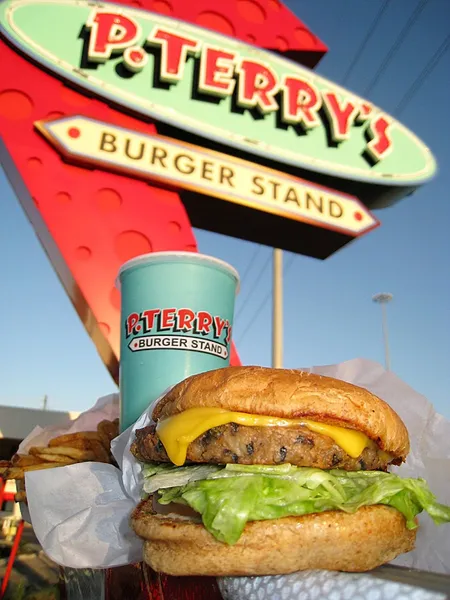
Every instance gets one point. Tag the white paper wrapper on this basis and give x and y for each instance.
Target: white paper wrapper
(322, 585)
(80, 513)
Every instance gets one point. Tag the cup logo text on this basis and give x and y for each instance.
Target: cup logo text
(178, 329)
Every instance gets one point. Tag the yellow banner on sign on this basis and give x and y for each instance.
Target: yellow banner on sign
(204, 171)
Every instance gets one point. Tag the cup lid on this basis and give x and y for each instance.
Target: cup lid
(171, 254)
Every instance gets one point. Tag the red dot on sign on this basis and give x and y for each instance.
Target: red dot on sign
(74, 132)
(129, 244)
(358, 216)
(138, 327)
(162, 7)
(15, 105)
(136, 56)
(216, 21)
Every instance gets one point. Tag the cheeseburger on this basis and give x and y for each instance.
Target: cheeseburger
(258, 471)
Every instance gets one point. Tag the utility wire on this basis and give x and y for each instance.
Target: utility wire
(406, 99)
(253, 319)
(423, 75)
(265, 299)
(354, 62)
(252, 288)
(356, 58)
(289, 263)
(250, 264)
(366, 40)
(396, 46)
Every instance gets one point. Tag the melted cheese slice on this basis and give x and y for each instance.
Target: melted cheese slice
(178, 431)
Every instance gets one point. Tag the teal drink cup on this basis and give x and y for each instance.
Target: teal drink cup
(176, 320)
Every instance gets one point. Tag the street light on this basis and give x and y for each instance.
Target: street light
(383, 299)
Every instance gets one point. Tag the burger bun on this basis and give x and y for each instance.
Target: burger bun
(332, 540)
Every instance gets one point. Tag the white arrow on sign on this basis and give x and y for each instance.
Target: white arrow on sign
(156, 158)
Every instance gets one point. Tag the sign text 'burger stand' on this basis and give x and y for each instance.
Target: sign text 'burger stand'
(124, 125)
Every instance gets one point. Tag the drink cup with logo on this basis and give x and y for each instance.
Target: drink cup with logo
(176, 320)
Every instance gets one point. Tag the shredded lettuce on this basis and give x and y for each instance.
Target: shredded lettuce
(227, 497)
(158, 477)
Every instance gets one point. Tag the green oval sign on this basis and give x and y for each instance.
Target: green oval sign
(218, 88)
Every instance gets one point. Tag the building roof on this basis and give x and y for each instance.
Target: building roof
(16, 423)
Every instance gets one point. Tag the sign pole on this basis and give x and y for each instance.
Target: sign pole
(277, 309)
(383, 299)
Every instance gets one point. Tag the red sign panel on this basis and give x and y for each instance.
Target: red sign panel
(91, 221)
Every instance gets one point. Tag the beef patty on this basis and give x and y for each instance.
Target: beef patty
(235, 443)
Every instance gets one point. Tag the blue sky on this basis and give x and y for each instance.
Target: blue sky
(329, 316)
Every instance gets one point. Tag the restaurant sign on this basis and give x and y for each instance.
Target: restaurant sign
(93, 143)
(221, 89)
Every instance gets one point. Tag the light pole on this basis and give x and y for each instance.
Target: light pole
(383, 299)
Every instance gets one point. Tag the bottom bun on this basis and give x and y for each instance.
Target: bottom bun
(332, 540)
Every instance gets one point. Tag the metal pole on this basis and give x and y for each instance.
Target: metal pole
(387, 356)
(383, 299)
(277, 309)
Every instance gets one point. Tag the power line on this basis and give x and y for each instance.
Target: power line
(423, 75)
(366, 40)
(396, 45)
(252, 320)
(250, 264)
(265, 299)
(357, 56)
(289, 263)
(409, 94)
(252, 288)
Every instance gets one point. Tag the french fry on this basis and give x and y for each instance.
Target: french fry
(67, 449)
(12, 472)
(56, 458)
(54, 453)
(116, 427)
(61, 440)
(108, 428)
(23, 460)
(19, 472)
(100, 452)
(49, 465)
(105, 441)
(35, 450)
(20, 497)
(80, 444)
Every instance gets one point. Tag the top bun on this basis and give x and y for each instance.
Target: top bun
(290, 394)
